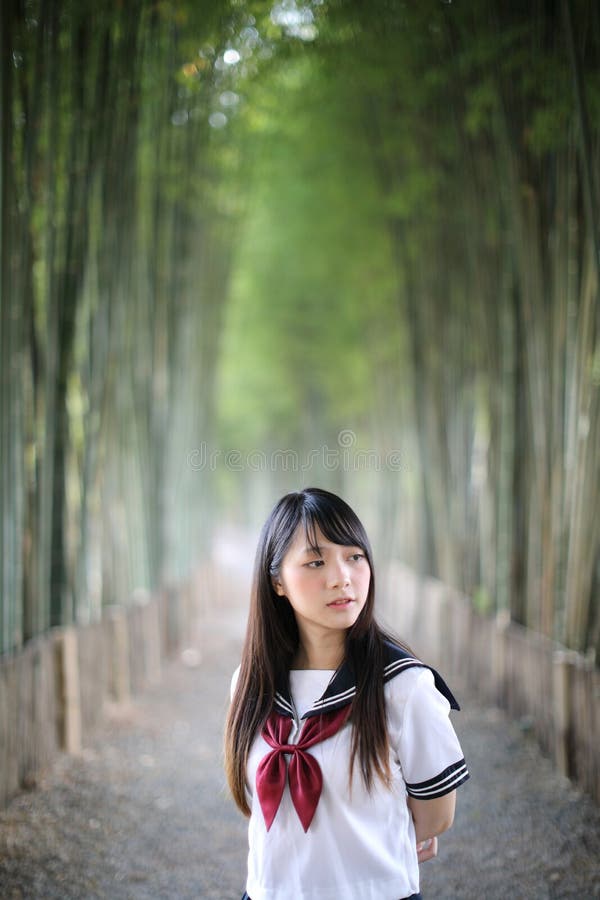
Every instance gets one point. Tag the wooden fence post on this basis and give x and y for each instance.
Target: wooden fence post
(151, 642)
(69, 695)
(499, 656)
(561, 665)
(120, 675)
(9, 760)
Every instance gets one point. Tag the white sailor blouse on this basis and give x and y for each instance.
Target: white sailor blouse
(312, 834)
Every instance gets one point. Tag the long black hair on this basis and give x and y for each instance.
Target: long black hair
(272, 640)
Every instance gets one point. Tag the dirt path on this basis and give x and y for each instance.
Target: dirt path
(144, 812)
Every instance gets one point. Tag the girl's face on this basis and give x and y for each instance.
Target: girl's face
(326, 590)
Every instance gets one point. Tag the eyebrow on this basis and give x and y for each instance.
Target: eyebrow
(316, 549)
(319, 550)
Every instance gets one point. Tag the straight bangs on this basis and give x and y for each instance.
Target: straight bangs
(338, 526)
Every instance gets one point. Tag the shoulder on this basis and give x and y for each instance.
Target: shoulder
(398, 661)
(408, 685)
(401, 673)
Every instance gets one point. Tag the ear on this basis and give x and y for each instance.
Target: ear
(278, 588)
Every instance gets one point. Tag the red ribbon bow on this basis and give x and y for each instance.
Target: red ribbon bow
(304, 772)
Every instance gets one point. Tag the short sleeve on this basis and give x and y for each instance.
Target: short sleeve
(234, 681)
(428, 749)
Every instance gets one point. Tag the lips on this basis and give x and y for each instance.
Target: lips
(341, 601)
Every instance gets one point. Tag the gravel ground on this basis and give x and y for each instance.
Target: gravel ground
(143, 812)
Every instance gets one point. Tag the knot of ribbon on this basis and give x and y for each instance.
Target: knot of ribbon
(303, 773)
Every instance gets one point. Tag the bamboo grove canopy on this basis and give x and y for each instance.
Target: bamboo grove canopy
(372, 228)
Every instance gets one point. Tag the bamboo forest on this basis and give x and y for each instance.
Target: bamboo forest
(251, 247)
(247, 245)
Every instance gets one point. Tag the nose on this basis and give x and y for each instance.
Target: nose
(339, 573)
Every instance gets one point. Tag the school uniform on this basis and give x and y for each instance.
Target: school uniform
(312, 836)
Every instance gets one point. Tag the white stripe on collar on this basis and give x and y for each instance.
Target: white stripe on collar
(346, 690)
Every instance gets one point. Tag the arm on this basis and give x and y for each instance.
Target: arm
(430, 757)
(432, 817)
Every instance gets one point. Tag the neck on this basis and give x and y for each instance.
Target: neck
(324, 653)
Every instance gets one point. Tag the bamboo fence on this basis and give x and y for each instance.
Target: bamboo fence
(56, 690)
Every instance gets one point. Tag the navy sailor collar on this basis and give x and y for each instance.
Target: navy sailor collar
(342, 687)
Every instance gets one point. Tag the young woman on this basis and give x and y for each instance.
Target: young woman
(338, 744)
